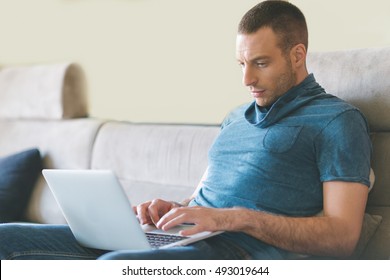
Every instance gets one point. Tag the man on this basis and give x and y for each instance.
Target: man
(276, 164)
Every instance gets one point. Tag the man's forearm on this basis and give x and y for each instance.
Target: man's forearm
(307, 235)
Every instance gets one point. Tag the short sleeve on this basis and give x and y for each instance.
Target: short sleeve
(343, 149)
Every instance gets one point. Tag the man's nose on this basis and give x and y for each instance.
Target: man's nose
(249, 78)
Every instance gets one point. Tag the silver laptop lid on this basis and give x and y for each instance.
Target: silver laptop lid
(96, 209)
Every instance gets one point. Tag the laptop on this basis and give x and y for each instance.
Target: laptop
(100, 215)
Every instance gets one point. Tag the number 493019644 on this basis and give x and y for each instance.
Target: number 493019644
(229, 270)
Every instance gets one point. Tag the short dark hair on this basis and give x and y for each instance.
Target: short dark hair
(285, 19)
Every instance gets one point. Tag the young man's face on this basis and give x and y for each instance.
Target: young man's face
(266, 71)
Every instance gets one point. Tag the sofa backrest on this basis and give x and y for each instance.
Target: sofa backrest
(154, 160)
(361, 77)
(49, 91)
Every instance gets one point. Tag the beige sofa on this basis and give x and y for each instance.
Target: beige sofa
(168, 160)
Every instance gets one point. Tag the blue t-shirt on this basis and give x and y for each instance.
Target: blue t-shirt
(276, 159)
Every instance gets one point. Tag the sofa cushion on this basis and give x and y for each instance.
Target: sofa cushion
(370, 225)
(380, 194)
(18, 173)
(378, 248)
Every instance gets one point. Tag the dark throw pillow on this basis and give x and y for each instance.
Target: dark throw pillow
(18, 174)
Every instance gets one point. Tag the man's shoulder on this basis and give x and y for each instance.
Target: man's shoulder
(235, 114)
(336, 116)
(331, 106)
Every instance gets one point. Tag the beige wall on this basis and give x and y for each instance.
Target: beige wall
(166, 60)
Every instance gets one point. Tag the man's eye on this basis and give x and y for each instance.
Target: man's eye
(261, 64)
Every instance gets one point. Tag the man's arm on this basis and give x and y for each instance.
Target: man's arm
(336, 233)
(333, 234)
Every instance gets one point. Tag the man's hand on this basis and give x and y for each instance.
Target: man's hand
(150, 212)
(204, 219)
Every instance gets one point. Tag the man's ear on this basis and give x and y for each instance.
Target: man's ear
(298, 55)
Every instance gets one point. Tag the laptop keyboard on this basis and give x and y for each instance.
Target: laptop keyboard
(157, 240)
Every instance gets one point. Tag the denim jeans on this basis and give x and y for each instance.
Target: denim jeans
(56, 242)
(41, 242)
